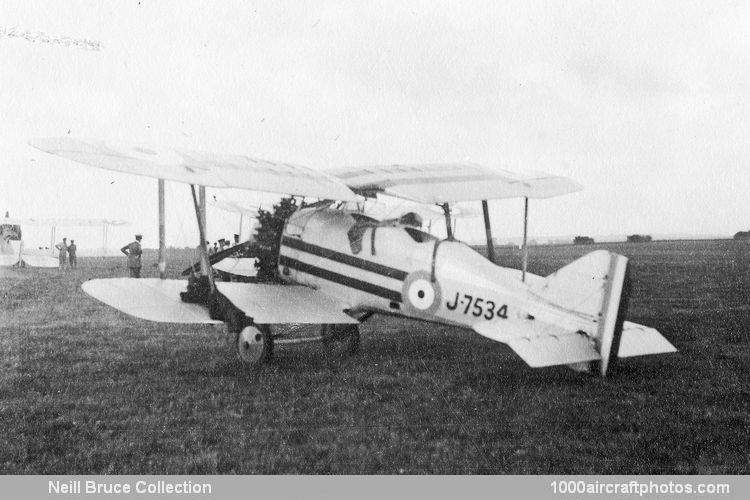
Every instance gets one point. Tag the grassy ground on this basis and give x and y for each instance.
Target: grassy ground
(86, 389)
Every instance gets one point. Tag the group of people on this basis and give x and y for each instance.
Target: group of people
(134, 251)
(222, 244)
(67, 254)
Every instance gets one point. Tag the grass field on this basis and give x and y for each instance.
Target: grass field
(86, 389)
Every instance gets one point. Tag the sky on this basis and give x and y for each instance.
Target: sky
(645, 104)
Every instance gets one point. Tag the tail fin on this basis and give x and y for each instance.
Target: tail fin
(596, 285)
(580, 318)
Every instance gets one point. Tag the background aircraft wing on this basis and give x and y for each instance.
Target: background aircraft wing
(282, 304)
(31, 221)
(8, 259)
(232, 206)
(32, 260)
(451, 182)
(203, 169)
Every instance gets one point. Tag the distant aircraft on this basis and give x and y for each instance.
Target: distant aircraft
(341, 267)
(14, 251)
(230, 260)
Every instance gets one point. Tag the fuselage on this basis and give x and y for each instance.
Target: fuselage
(398, 269)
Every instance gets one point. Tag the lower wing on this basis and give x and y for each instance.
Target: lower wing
(159, 300)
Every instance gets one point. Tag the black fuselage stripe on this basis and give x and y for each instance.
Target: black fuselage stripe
(343, 258)
(303, 267)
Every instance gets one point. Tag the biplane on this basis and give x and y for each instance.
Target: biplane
(14, 251)
(339, 267)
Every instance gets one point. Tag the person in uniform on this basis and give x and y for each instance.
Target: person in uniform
(133, 251)
(63, 252)
(72, 254)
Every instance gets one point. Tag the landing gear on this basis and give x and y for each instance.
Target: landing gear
(340, 339)
(255, 344)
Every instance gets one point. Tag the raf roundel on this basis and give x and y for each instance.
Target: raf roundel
(421, 294)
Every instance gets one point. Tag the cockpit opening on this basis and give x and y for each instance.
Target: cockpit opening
(419, 236)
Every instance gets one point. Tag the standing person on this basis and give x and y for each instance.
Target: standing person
(72, 254)
(63, 255)
(133, 251)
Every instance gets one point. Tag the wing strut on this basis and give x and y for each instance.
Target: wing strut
(488, 231)
(525, 234)
(200, 214)
(162, 233)
(448, 226)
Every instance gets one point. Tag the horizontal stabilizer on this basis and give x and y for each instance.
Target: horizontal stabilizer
(541, 344)
(281, 304)
(148, 298)
(550, 351)
(639, 340)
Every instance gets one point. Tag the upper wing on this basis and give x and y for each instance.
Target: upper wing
(203, 169)
(62, 222)
(440, 183)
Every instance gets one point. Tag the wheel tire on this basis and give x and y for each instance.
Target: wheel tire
(255, 344)
(340, 339)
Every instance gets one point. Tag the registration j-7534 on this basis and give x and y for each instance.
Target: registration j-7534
(477, 306)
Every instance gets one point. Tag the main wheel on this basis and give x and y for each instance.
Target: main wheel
(255, 344)
(340, 339)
